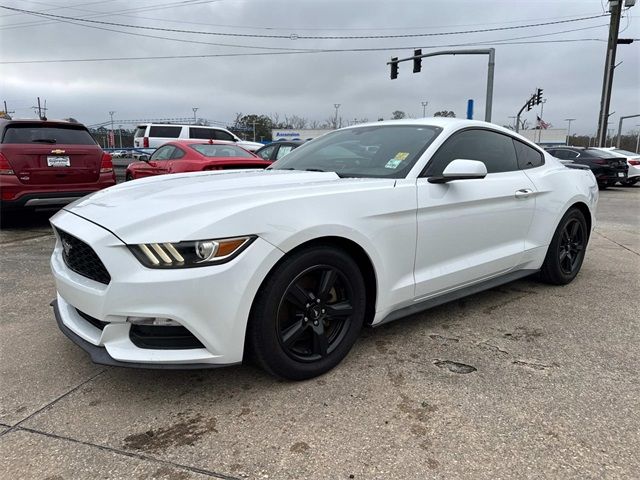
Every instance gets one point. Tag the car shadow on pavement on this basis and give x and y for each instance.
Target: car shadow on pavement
(24, 220)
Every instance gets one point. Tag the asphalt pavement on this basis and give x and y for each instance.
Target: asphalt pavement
(522, 381)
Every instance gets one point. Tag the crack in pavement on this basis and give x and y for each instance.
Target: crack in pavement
(25, 239)
(619, 244)
(125, 453)
(53, 402)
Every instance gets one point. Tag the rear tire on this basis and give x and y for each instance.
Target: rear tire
(308, 314)
(128, 177)
(629, 182)
(567, 249)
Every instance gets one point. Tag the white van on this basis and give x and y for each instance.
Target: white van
(153, 135)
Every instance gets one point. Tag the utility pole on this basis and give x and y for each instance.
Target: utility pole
(195, 109)
(541, 120)
(120, 134)
(424, 108)
(615, 7)
(638, 139)
(335, 122)
(254, 130)
(569, 128)
(6, 109)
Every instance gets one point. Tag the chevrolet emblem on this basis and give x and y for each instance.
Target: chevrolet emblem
(57, 151)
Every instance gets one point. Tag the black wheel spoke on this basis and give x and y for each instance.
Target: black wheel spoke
(320, 341)
(563, 255)
(574, 229)
(291, 334)
(327, 281)
(342, 309)
(298, 296)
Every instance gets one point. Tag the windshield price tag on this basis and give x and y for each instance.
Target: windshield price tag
(58, 161)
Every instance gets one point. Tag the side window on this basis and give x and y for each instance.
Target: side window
(163, 153)
(164, 131)
(266, 153)
(202, 133)
(284, 149)
(494, 149)
(222, 135)
(528, 157)
(177, 153)
(565, 154)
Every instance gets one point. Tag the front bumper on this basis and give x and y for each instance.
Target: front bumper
(212, 303)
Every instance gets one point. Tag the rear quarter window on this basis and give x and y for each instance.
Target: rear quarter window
(140, 131)
(202, 133)
(164, 131)
(47, 134)
(528, 157)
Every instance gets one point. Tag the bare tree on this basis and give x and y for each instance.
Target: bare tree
(296, 121)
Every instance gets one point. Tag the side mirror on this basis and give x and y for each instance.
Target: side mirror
(144, 158)
(460, 169)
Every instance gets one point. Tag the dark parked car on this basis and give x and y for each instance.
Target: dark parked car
(49, 163)
(608, 168)
(277, 150)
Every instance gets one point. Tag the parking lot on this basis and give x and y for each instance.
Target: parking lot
(522, 381)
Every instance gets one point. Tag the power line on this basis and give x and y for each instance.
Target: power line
(285, 49)
(293, 52)
(301, 37)
(148, 8)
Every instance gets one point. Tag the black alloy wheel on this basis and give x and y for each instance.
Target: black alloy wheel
(314, 313)
(567, 249)
(308, 313)
(572, 243)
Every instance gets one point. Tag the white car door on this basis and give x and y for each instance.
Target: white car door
(472, 229)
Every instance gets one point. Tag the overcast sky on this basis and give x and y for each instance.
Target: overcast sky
(309, 84)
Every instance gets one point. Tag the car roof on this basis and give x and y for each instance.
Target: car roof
(4, 121)
(203, 141)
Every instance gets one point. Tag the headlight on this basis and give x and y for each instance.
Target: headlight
(199, 253)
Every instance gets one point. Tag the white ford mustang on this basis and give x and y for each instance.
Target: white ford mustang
(361, 226)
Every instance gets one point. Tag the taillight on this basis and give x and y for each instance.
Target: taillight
(145, 142)
(601, 162)
(635, 163)
(106, 166)
(5, 166)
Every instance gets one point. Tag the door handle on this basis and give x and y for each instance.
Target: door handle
(523, 193)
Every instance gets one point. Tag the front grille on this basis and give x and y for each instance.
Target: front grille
(163, 337)
(81, 258)
(99, 324)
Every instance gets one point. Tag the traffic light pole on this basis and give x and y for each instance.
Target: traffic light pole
(490, 71)
(609, 66)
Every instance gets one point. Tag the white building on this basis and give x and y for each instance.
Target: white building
(296, 134)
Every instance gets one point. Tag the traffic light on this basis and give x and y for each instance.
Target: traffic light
(417, 60)
(394, 68)
(530, 103)
(539, 96)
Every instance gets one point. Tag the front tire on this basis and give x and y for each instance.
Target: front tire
(567, 249)
(308, 313)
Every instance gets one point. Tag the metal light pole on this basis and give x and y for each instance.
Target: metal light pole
(195, 109)
(111, 115)
(335, 122)
(569, 128)
(120, 134)
(620, 127)
(424, 108)
(541, 120)
(638, 140)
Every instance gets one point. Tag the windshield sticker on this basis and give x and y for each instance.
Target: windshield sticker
(393, 163)
(401, 156)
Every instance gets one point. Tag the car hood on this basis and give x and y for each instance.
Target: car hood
(170, 208)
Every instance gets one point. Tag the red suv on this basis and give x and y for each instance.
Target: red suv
(49, 163)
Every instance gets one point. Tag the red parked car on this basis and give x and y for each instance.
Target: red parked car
(194, 156)
(49, 163)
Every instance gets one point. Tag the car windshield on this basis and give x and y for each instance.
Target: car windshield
(209, 150)
(384, 151)
(626, 153)
(601, 153)
(41, 133)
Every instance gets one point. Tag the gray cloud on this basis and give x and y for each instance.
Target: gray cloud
(308, 85)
